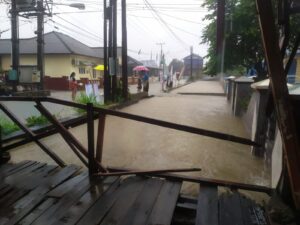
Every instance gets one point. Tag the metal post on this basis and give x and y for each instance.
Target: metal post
(110, 44)
(114, 50)
(124, 52)
(191, 62)
(220, 33)
(106, 75)
(40, 42)
(15, 41)
(90, 136)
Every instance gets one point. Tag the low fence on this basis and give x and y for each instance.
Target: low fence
(62, 83)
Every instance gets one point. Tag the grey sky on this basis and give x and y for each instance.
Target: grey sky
(176, 23)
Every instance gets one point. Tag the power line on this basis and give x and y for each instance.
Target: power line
(81, 28)
(165, 24)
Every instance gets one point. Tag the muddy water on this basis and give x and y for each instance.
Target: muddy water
(137, 145)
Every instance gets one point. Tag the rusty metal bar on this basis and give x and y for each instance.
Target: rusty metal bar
(100, 137)
(189, 129)
(284, 111)
(65, 133)
(90, 137)
(32, 136)
(202, 180)
(147, 172)
(41, 109)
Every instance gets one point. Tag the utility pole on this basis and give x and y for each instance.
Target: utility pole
(161, 52)
(40, 41)
(115, 52)
(15, 42)
(191, 62)
(106, 75)
(124, 52)
(220, 34)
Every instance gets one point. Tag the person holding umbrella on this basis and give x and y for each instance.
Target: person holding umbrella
(145, 78)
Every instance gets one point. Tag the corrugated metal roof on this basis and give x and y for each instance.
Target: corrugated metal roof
(55, 43)
(59, 43)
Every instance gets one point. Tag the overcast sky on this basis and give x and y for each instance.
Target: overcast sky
(176, 23)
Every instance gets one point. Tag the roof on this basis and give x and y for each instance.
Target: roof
(194, 56)
(264, 84)
(55, 43)
(150, 64)
(58, 43)
(244, 79)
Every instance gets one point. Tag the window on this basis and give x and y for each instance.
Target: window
(81, 70)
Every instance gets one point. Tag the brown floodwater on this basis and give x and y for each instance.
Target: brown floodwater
(133, 144)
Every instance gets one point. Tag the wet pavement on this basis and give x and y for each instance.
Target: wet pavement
(133, 144)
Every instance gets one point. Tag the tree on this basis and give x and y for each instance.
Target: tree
(243, 46)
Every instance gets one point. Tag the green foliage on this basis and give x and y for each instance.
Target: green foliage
(243, 46)
(84, 99)
(36, 121)
(7, 126)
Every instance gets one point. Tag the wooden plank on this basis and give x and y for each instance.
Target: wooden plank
(5, 190)
(35, 197)
(4, 172)
(37, 212)
(230, 209)
(207, 206)
(22, 183)
(204, 180)
(101, 189)
(148, 172)
(70, 198)
(124, 202)
(143, 205)
(247, 210)
(113, 202)
(65, 187)
(164, 207)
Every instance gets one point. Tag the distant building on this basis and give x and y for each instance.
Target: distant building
(197, 64)
(63, 55)
(152, 66)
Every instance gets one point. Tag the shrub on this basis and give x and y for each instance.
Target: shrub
(7, 126)
(84, 99)
(36, 120)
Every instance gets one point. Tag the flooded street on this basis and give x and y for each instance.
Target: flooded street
(133, 144)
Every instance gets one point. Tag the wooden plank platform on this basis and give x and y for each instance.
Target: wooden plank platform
(39, 194)
(36, 193)
(227, 208)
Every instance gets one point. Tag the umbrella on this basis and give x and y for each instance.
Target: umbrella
(99, 67)
(140, 68)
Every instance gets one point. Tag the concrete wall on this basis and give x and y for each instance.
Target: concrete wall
(276, 160)
(242, 95)
(263, 129)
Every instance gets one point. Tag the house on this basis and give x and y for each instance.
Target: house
(152, 66)
(62, 55)
(195, 61)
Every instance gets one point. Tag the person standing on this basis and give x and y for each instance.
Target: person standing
(73, 85)
(146, 81)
